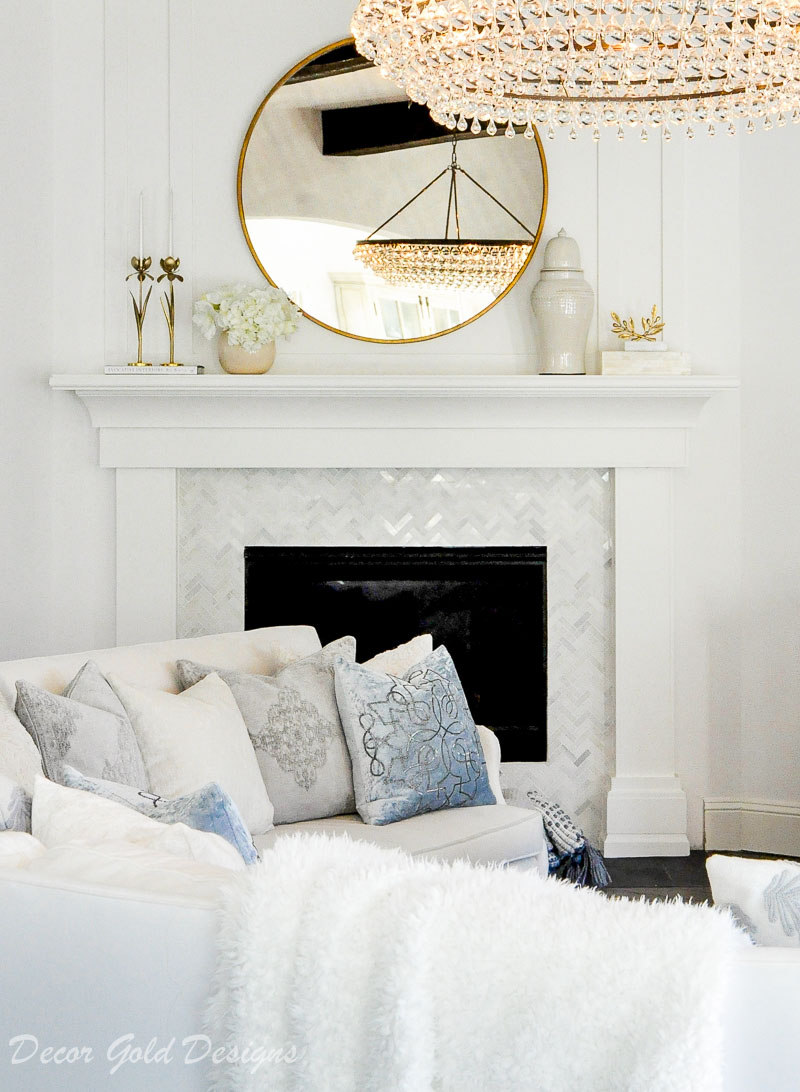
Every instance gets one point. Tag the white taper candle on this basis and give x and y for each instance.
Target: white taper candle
(171, 248)
(141, 224)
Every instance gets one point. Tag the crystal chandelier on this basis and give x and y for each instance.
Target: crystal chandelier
(581, 64)
(466, 265)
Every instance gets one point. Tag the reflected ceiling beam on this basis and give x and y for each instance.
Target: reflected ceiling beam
(384, 127)
(336, 62)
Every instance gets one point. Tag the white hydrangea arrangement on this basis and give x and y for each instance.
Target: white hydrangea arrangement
(252, 317)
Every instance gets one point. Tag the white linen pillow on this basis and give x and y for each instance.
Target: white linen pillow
(763, 896)
(397, 661)
(190, 739)
(20, 760)
(491, 752)
(18, 848)
(62, 816)
(133, 868)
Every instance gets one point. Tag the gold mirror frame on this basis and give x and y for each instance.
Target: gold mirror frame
(326, 326)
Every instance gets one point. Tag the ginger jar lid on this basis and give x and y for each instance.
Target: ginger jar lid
(562, 255)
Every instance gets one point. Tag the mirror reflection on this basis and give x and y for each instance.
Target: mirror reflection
(377, 222)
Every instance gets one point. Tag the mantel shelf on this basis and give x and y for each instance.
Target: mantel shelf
(442, 386)
(393, 420)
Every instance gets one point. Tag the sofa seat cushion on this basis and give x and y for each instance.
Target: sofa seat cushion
(485, 834)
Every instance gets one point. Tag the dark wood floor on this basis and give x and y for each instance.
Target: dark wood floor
(660, 877)
(663, 877)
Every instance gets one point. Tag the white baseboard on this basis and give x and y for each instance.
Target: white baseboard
(646, 817)
(646, 845)
(752, 826)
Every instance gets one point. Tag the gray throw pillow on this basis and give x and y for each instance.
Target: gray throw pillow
(294, 725)
(15, 807)
(413, 742)
(86, 727)
(209, 808)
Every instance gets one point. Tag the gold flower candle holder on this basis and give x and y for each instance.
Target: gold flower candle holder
(140, 266)
(170, 266)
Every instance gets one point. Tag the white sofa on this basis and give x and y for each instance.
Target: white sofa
(499, 833)
(83, 967)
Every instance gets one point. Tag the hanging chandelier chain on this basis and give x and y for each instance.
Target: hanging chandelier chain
(416, 197)
(454, 168)
(507, 211)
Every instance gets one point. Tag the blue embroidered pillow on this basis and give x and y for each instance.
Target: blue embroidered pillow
(412, 740)
(209, 808)
(15, 807)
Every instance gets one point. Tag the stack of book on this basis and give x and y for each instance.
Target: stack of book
(148, 369)
(641, 362)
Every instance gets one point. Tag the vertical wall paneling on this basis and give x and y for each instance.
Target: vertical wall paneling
(181, 163)
(673, 242)
(119, 205)
(629, 233)
(137, 159)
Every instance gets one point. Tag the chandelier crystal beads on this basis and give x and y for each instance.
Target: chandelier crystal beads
(463, 265)
(507, 65)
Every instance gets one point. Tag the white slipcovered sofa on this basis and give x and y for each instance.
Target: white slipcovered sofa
(107, 970)
(498, 833)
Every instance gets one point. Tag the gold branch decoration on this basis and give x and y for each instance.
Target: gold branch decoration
(625, 329)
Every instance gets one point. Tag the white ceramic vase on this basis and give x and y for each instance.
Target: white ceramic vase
(238, 361)
(563, 304)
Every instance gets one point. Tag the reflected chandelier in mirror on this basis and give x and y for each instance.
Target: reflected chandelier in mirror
(332, 151)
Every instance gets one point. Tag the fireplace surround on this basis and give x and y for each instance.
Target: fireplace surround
(570, 512)
(151, 429)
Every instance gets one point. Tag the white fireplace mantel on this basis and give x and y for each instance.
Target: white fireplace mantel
(350, 421)
(150, 426)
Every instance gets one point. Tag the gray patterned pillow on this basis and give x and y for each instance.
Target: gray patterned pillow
(413, 742)
(294, 724)
(87, 727)
(763, 897)
(15, 807)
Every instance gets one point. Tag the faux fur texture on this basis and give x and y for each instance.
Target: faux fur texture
(367, 971)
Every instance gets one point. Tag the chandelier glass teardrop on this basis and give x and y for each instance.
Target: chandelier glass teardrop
(508, 65)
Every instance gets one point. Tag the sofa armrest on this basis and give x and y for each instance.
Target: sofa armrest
(491, 752)
(84, 967)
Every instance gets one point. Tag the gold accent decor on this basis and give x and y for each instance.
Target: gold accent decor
(170, 266)
(140, 266)
(497, 65)
(529, 246)
(625, 329)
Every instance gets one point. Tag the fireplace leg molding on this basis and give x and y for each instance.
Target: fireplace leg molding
(647, 814)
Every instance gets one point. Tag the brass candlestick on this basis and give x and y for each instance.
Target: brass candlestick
(141, 266)
(170, 267)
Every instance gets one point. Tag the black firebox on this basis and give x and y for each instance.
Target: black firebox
(487, 605)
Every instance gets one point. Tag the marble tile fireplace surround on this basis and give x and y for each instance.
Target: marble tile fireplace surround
(582, 465)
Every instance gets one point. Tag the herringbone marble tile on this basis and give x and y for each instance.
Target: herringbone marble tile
(569, 511)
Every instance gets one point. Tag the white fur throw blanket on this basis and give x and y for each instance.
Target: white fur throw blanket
(348, 968)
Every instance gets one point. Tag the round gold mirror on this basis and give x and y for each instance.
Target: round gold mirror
(379, 223)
